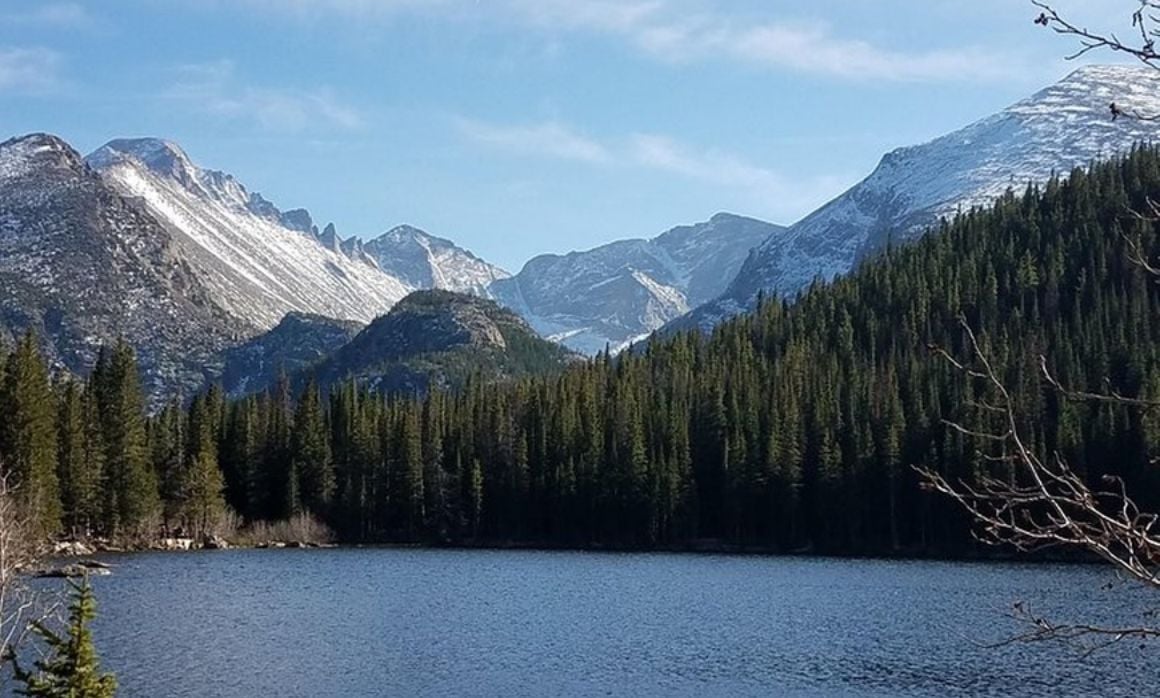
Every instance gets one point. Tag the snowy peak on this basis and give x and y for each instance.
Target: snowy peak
(259, 263)
(161, 157)
(425, 261)
(36, 152)
(82, 265)
(1065, 126)
(619, 293)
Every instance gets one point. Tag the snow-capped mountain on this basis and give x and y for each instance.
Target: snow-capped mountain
(422, 260)
(258, 262)
(81, 266)
(1062, 127)
(618, 293)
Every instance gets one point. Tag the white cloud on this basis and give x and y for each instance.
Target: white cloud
(550, 138)
(764, 189)
(29, 69)
(813, 48)
(214, 88)
(58, 14)
(769, 189)
(600, 15)
(675, 31)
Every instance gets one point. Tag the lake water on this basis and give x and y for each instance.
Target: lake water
(370, 622)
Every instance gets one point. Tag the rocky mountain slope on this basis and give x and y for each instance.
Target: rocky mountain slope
(422, 260)
(1064, 126)
(620, 292)
(81, 265)
(297, 343)
(443, 337)
(258, 262)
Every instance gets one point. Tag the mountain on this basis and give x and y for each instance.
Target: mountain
(1065, 126)
(258, 262)
(620, 292)
(296, 344)
(82, 265)
(441, 336)
(422, 260)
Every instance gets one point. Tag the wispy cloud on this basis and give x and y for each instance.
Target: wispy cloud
(550, 138)
(785, 196)
(600, 15)
(681, 31)
(215, 89)
(29, 69)
(813, 48)
(56, 14)
(773, 191)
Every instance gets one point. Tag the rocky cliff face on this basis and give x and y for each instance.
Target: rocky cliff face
(423, 261)
(296, 344)
(82, 265)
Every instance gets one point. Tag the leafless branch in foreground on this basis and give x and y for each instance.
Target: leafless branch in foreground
(17, 555)
(1142, 46)
(1042, 503)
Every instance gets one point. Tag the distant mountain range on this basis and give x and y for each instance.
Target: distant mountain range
(619, 293)
(1062, 127)
(211, 281)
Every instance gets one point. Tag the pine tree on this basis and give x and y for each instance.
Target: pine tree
(131, 495)
(71, 669)
(202, 486)
(310, 453)
(28, 434)
(78, 467)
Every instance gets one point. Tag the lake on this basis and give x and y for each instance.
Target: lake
(368, 622)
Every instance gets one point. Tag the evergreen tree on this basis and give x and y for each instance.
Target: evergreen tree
(28, 434)
(310, 453)
(131, 497)
(78, 467)
(71, 668)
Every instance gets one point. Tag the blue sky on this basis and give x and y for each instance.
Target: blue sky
(518, 127)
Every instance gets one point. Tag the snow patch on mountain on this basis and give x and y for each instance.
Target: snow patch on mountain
(422, 260)
(618, 293)
(1064, 126)
(257, 266)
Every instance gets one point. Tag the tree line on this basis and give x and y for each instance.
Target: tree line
(789, 428)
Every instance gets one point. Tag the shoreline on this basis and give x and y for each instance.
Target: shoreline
(704, 549)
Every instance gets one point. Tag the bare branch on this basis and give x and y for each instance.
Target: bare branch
(1042, 503)
(1145, 25)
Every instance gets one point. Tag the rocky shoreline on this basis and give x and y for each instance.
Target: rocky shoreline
(65, 553)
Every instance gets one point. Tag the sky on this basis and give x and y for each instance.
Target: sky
(523, 127)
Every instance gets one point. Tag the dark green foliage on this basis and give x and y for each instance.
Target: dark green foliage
(28, 434)
(131, 497)
(791, 428)
(71, 668)
(437, 339)
(201, 493)
(310, 454)
(78, 463)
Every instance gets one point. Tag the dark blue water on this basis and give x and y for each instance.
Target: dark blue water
(431, 623)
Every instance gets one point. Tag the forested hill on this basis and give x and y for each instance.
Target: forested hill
(792, 428)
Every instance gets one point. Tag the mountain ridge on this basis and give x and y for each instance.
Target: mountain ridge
(1062, 126)
(618, 293)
